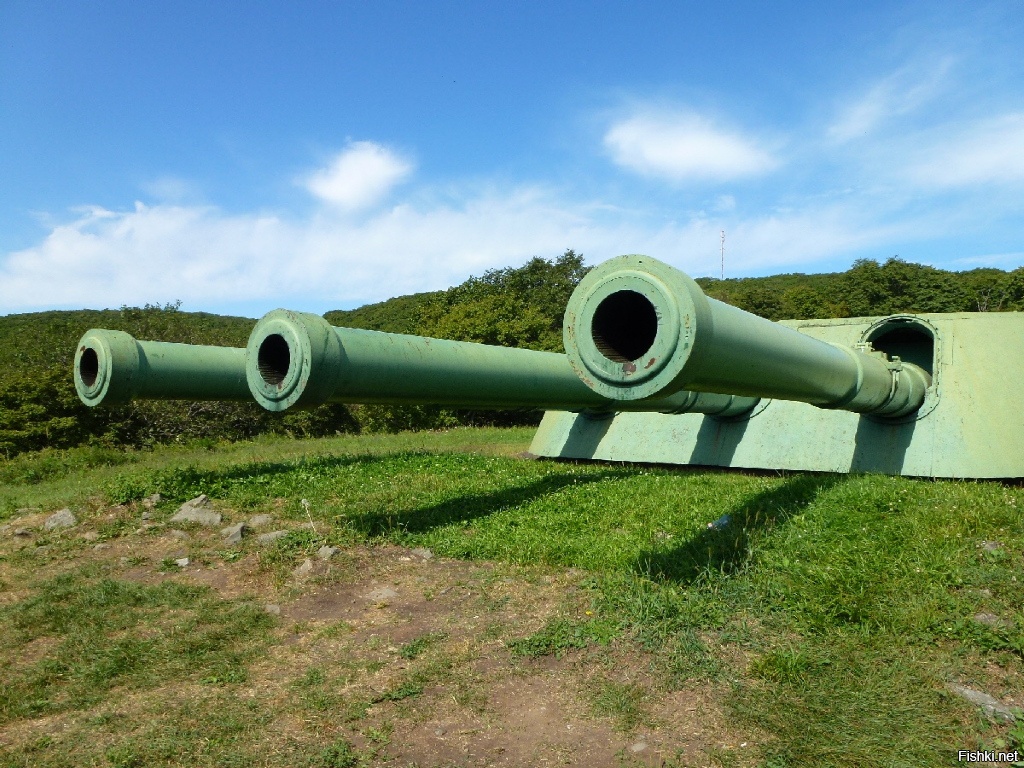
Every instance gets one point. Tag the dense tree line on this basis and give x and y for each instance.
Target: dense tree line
(520, 306)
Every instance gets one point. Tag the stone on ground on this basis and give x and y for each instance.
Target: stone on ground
(327, 552)
(233, 533)
(258, 521)
(63, 518)
(992, 706)
(270, 538)
(197, 510)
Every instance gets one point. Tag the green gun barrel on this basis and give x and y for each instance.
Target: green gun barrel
(112, 367)
(636, 328)
(299, 360)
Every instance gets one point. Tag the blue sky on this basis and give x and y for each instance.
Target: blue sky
(314, 155)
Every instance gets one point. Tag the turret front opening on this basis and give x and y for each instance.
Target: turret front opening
(274, 359)
(624, 326)
(910, 338)
(89, 366)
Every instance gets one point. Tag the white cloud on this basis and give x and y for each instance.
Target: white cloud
(903, 92)
(684, 147)
(171, 189)
(985, 152)
(210, 259)
(359, 176)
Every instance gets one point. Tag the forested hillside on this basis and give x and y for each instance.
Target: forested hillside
(519, 306)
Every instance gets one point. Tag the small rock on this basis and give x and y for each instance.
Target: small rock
(382, 593)
(174, 533)
(270, 538)
(991, 706)
(90, 536)
(258, 521)
(151, 501)
(23, 532)
(439, 731)
(197, 510)
(989, 620)
(326, 553)
(640, 746)
(305, 569)
(181, 562)
(991, 546)
(422, 552)
(101, 546)
(146, 516)
(63, 518)
(233, 533)
(273, 610)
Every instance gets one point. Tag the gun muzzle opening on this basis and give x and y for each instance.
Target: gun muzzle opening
(624, 326)
(274, 358)
(89, 367)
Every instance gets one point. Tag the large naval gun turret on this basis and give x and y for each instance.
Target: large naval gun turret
(654, 371)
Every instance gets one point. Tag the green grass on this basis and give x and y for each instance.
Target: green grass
(834, 608)
(108, 633)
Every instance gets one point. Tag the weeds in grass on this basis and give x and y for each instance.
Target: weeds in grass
(414, 648)
(625, 703)
(561, 635)
(340, 754)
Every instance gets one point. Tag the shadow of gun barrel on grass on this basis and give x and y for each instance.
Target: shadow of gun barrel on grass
(725, 547)
(473, 506)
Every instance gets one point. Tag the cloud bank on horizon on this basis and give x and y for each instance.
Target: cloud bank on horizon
(924, 158)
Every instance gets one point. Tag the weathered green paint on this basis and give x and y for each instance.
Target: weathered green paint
(300, 360)
(637, 328)
(970, 424)
(666, 375)
(112, 367)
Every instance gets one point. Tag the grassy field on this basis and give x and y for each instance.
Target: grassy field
(486, 609)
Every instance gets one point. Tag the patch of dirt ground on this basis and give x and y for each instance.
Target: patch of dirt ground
(401, 653)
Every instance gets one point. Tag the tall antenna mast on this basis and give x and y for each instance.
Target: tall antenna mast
(723, 254)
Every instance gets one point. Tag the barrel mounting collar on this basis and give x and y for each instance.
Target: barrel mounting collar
(106, 364)
(630, 326)
(286, 352)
